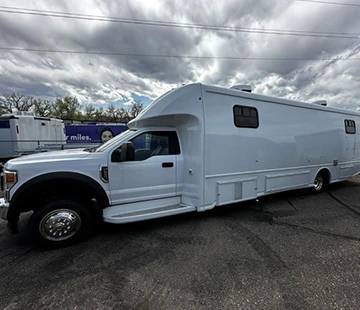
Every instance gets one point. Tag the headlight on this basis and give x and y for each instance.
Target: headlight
(10, 179)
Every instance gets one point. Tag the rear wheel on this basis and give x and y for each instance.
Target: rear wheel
(60, 223)
(320, 182)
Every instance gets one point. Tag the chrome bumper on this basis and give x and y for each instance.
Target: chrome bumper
(4, 208)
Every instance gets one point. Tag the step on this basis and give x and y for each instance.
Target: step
(146, 214)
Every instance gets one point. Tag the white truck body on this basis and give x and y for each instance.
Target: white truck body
(233, 146)
(23, 134)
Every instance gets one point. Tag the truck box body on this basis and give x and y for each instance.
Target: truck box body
(22, 134)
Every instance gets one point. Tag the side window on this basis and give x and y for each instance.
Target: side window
(4, 124)
(156, 143)
(350, 126)
(246, 117)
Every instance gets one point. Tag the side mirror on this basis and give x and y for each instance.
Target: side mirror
(127, 152)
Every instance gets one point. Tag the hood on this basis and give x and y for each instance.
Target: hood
(49, 156)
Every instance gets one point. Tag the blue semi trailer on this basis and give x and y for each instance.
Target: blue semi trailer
(92, 133)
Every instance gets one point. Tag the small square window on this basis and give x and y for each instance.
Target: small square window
(350, 127)
(245, 117)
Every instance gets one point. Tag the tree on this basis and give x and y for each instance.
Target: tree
(3, 110)
(100, 115)
(66, 108)
(114, 114)
(135, 109)
(17, 102)
(89, 113)
(42, 107)
(5, 105)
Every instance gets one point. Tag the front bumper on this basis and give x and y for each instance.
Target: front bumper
(4, 208)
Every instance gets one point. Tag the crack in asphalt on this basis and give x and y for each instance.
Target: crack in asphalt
(270, 218)
(316, 231)
(344, 204)
(291, 204)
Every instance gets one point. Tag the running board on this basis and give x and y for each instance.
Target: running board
(147, 214)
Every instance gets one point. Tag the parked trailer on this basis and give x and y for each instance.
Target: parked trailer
(195, 148)
(91, 134)
(24, 134)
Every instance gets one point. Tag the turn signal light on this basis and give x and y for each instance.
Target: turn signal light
(10, 177)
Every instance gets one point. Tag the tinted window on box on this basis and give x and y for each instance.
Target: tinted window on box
(246, 117)
(350, 126)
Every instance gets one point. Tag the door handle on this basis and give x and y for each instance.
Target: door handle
(167, 165)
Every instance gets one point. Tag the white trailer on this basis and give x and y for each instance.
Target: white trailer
(23, 134)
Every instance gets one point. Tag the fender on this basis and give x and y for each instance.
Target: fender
(102, 197)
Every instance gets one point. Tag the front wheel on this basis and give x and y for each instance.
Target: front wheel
(60, 223)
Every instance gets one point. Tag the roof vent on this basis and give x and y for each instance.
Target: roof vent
(246, 88)
(321, 102)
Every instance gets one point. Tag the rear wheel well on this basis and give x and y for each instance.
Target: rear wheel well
(326, 175)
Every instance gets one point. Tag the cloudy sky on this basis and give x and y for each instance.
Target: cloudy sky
(120, 79)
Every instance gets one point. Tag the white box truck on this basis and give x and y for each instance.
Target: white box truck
(23, 134)
(194, 148)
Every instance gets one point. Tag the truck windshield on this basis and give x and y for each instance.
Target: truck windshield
(114, 140)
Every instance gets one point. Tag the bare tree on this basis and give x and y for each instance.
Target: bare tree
(100, 115)
(42, 107)
(3, 110)
(17, 102)
(114, 114)
(6, 104)
(135, 109)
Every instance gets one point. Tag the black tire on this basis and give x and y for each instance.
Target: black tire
(59, 224)
(320, 182)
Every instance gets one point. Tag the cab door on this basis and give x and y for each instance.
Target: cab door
(152, 175)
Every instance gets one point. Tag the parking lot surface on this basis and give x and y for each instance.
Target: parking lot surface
(293, 250)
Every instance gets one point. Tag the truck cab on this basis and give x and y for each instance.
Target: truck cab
(137, 175)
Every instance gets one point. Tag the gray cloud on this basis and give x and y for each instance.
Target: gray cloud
(102, 79)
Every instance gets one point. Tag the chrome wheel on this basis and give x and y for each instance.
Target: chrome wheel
(319, 182)
(59, 225)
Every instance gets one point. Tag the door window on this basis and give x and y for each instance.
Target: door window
(155, 143)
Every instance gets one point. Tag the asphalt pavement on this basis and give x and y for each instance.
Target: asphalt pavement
(294, 250)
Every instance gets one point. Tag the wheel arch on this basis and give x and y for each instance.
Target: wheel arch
(72, 180)
(325, 172)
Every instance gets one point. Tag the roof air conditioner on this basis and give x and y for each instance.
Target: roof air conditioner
(321, 102)
(246, 88)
